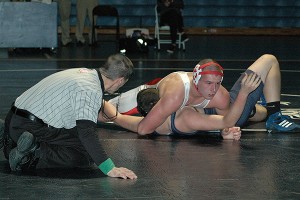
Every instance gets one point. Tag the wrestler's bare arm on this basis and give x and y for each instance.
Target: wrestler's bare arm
(221, 101)
(158, 115)
(171, 98)
(126, 121)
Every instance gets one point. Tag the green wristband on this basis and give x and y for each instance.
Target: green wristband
(106, 166)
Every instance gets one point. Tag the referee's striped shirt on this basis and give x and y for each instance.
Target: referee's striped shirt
(64, 97)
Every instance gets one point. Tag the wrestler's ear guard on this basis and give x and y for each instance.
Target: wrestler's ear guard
(198, 71)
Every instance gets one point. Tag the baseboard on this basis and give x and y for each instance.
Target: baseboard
(212, 31)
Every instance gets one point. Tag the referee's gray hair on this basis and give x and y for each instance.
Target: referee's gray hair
(117, 66)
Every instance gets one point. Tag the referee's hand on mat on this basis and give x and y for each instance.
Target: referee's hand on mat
(121, 172)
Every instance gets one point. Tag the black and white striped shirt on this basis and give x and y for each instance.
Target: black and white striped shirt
(68, 99)
(64, 97)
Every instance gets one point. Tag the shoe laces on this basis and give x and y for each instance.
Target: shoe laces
(282, 118)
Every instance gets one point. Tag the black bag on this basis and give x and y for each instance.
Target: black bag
(136, 43)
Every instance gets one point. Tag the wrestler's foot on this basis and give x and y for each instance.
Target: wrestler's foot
(1, 133)
(171, 48)
(281, 123)
(23, 154)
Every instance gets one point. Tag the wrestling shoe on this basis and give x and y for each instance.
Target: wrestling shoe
(23, 154)
(281, 123)
(1, 133)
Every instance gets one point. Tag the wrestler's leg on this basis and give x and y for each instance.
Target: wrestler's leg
(252, 98)
(267, 67)
(260, 114)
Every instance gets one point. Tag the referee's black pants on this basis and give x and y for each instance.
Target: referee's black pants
(59, 147)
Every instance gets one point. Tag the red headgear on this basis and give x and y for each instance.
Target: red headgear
(198, 72)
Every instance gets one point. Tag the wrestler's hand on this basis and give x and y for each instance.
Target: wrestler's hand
(250, 83)
(108, 112)
(233, 133)
(121, 172)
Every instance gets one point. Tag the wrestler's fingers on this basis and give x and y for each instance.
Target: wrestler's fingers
(244, 78)
(248, 79)
(237, 128)
(252, 82)
(237, 134)
(253, 79)
(257, 81)
(236, 137)
(225, 131)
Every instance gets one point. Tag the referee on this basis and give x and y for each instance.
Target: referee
(53, 124)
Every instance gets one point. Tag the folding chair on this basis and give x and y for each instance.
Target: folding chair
(162, 34)
(105, 11)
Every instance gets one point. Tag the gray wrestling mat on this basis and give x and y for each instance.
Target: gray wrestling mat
(259, 166)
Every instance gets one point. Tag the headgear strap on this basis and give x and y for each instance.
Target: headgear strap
(198, 72)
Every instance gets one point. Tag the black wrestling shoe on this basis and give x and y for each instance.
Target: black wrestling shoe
(1, 133)
(23, 154)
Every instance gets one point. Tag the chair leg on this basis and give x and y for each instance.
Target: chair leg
(158, 42)
(117, 42)
(183, 46)
(179, 41)
(93, 36)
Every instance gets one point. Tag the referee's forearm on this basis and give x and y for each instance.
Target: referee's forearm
(87, 134)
